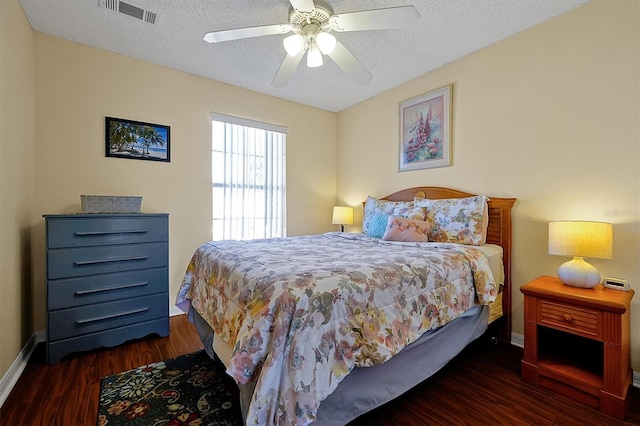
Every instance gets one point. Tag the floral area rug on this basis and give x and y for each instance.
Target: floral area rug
(189, 390)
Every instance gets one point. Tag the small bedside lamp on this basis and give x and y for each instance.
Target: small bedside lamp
(342, 216)
(580, 239)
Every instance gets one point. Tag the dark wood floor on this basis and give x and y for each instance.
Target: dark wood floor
(482, 386)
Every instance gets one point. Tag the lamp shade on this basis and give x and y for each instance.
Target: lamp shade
(580, 239)
(293, 44)
(342, 216)
(326, 42)
(314, 57)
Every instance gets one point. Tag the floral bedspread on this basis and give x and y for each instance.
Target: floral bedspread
(302, 312)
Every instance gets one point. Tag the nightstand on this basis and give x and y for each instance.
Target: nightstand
(576, 342)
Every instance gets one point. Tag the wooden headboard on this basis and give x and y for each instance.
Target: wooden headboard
(498, 232)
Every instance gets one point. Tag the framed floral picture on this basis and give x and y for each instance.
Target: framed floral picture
(425, 131)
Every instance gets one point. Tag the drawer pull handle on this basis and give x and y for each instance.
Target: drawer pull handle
(115, 287)
(98, 233)
(117, 259)
(108, 317)
(567, 318)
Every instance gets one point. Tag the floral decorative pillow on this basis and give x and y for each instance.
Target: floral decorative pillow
(457, 220)
(372, 207)
(375, 206)
(406, 230)
(408, 209)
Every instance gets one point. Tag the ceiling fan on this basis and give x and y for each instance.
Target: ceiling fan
(311, 26)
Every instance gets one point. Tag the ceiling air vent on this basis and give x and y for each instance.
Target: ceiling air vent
(129, 9)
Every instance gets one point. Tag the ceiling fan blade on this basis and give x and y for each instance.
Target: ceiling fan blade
(377, 19)
(239, 33)
(303, 5)
(350, 65)
(287, 68)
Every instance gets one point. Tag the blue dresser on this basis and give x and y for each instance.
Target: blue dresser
(107, 280)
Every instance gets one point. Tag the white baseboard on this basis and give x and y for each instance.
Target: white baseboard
(174, 310)
(10, 378)
(518, 340)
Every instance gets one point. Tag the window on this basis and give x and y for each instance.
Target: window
(248, 179)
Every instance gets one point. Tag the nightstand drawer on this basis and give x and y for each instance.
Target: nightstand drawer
(577, 319)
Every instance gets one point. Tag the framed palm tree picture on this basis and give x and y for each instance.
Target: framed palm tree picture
(137, 140)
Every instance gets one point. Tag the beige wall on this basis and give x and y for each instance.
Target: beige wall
(77, 86)
(549, 116)
(55, 95)
(17, 146)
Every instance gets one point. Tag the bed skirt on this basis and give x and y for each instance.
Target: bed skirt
(369, 388)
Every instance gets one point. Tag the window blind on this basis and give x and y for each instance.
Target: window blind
(248, 179)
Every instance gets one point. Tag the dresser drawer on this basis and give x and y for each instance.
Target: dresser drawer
(577, 319)
(85, 231)
(70, 292)
(77, 262)
(102, 316)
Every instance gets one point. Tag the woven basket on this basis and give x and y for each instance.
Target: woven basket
(110, 204)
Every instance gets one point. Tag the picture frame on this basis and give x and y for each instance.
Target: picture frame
(137, 140)
(425, 131)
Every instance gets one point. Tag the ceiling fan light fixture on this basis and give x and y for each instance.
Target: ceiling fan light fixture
(293, 44)
(326, 42)
(309, 32)
(314, 57)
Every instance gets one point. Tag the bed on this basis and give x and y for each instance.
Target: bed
(323, 328)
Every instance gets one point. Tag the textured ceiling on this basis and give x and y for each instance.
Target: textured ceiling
(446, 30)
